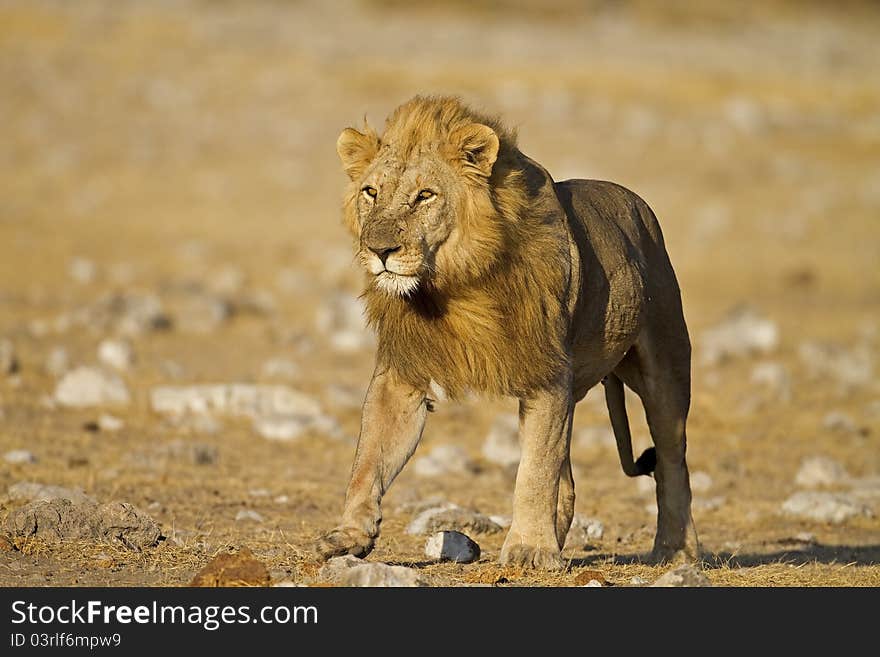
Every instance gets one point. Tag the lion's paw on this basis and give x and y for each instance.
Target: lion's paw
(526, 556)
(344, 540)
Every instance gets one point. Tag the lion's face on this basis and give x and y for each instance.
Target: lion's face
(406, 209)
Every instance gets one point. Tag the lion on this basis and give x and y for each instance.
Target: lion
(484, 275)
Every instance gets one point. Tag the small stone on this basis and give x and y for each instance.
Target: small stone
(774, 377)
(109, 423)
(443, 460)
(593, 582)
(234, 399)
(19, 457)
(832, 508)
(284, 429)
(57, 362)
(89, 386)
(683, 576)
(281, 499)
(341, 318)
(502, 521)
(820, 471)
(117, 354)
(8, 359)
(34, 492)
(839, 422)
(82, 270)
(583, 532)
(452, 546)
(451, 518)
(742, 333)
(701, 482)
(381, 575)
(282, 369)
(502, 442)
(638, 581)
(248, 515)
(850, 368)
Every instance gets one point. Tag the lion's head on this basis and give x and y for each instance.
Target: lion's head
(423, 201)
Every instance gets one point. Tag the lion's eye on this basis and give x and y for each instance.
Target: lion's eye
(425, 194)
(370, 191)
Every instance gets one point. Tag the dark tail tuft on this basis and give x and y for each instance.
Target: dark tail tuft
(647, 462)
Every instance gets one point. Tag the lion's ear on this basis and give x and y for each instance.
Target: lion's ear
(478, 145)
(357, 150)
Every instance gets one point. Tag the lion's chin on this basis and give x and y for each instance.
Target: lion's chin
(396, 285)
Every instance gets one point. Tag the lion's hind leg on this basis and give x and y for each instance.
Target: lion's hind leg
(661, 377)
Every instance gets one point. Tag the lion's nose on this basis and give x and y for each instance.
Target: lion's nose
(384, 251)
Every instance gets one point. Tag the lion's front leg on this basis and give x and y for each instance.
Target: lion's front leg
(545, 433)
(391, 426)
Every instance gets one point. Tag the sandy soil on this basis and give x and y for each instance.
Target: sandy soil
(185, 150)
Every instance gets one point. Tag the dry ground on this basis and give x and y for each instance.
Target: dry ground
(177, 144)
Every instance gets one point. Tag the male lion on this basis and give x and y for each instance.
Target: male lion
(485, 275)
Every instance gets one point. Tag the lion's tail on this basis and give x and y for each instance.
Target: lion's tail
(616, 402)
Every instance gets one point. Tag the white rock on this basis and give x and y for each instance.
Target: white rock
(341, 319)
(594, 437)
(109, 423)
(638, 581)
(774, 377)
(502, 443)
(851, 368)
(818, 471)
(502, 521)
(443, 460)
(82, 270)
(34, 492)
(57, 362)
(351, 571)
(584, 531)
(89, 386)
(683, 576)
(234, 399)
(452, 546)
(19, 457)
(832, 508)
(592, 583)
(117, 354)
(701, 482)
(840, 422)
(419, 524)
(8, 359)
(742, 333)
(280, 368)
(248, 515)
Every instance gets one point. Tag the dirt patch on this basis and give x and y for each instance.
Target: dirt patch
(240, 568)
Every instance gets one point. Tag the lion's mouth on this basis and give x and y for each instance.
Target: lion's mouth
(399, 285)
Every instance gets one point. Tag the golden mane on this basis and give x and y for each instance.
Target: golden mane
(500, 326)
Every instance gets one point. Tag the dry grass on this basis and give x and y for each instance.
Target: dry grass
(166, 142)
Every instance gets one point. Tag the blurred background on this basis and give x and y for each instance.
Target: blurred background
(170, 217)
